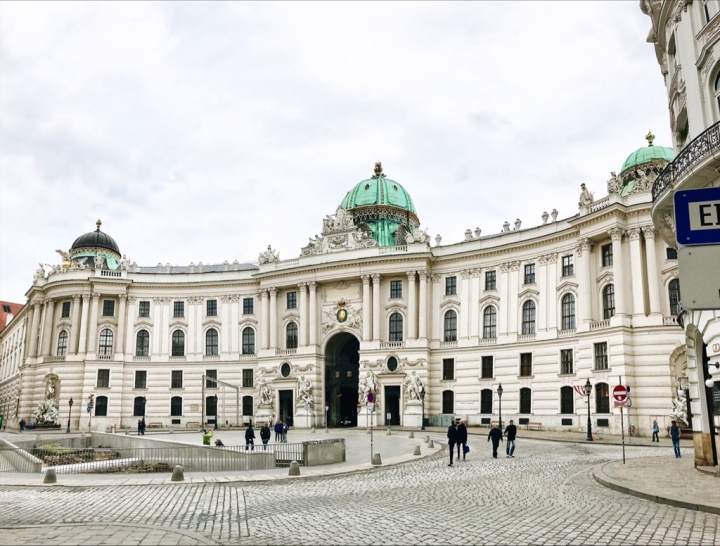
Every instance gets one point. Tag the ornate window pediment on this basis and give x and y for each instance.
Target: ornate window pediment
(450, 303)
(528, 293)
(605, 278)
(289, 317)
(209, 321)
(143, 323)
(489, 299)
(247, 322)
(567, 286)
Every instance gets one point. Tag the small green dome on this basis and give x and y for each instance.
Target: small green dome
(641, 156)
(378, 191)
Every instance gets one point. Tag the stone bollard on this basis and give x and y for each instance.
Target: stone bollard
(50, 476)
(294, 469)
(367, 431)
(327, 430)
(388, 433)
(377, 460)
(427, 439)
(412, 434)
(126, 432)
(171, 431)
(431, 444)
(417, 451)
(312, 430)
(178, 475)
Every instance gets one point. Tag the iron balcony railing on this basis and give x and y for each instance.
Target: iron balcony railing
(707, 142)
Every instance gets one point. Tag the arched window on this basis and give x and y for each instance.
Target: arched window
(396, 327)
(525, 400)
(178, 343)
(211, 342)
(490, 322)
(247, 405)
(451, 326)
(142, 343)
(291, 335)
(674, 295)
(101, 403)
(568, 312)
(567, 400)
(139, 406)
(717, 90)
(62, 343)
(602, 398)
(176, 406)
(248, 341)
(106, 342)
(609, 301)
(211, 406)
(448, 402)
(528, 314)
(486, 405)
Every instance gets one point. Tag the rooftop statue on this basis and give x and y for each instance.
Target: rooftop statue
(269, 256)
(586, 198)
(614, 185)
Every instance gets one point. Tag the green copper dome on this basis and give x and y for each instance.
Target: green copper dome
(641, 156)
(378, 191)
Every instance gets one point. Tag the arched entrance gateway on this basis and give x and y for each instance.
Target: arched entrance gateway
(342, 367)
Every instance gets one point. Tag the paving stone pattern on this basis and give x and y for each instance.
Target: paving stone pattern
(545, 495)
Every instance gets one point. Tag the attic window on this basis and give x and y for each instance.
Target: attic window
(395, 188)
(367, 186)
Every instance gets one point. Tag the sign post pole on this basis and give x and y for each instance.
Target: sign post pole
(371, 408)
(622, 426)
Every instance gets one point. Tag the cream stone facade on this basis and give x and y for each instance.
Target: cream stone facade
(373, 304)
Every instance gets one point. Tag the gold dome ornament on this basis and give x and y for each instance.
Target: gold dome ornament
(650, 137)
(66, 265)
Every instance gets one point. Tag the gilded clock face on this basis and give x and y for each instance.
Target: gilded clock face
(342, 315)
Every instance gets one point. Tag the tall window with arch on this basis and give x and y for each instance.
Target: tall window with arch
(450, 326)
(211, 342)
(448, 402)
(525, 400)
(142, 343)
(291, 335)
(609, 301)
(528, 317)
(490, 322)
(101, 405)
(486, 401)
(395, 327)
(567, 400)
(674, 295)
(568, 312)
(178, 343)
(248, 341)
(602, 398)
(62, 343)
(106, 342)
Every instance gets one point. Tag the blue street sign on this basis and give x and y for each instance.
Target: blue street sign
(88, 409)
(697, 216)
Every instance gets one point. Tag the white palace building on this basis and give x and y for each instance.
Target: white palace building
(372, 304)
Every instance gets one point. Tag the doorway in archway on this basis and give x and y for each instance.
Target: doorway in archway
(342, 366)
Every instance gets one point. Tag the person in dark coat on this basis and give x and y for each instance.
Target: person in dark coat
(461, 438)
(675, 435)
(265, 435)
(142, 426)
(278, 429)
(510, 432)
(250, 438)
(452, 435)
(496, 436)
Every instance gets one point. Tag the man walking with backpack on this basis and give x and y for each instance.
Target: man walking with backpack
(510, 432)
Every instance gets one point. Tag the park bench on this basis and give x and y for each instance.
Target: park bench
(155, 425)
(533, 426)
(193, 424)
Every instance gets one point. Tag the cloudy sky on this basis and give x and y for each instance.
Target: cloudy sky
(202, 132)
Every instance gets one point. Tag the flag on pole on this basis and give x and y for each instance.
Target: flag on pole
(580, 390)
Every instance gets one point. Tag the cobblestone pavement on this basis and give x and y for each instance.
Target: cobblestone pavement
(545, 495)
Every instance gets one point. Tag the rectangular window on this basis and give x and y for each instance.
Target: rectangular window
(490, 280)
(248, 306)
(566, 361)
(671, 253)
(487, 367)
(450, 286)
(396, 289)
(140, 379)
(108, 308)
(448, 368)
(65, 309)
(211, 308)
(209, 376)
(568, 266)
(525, 364)
(529, 273)
(179, 309)
(7, 309)
(601, 356)
(247, 379)
(144, 309)
(176, 381)
(607, 255)
(103, 379)
(712, 7)
(292, 300)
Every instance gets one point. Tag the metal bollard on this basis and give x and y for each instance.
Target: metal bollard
(312, 430)
(388, 433)
(50, 476)
(417, 451)
(431, 444)
(412, 434)
(294, 469)
(377, 460)
(427, 439)
(178, 475)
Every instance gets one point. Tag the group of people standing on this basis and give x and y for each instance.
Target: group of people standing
(457, 438)
(281, 430)
(280, 435)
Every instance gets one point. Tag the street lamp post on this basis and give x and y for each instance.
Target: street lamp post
(422, 399)
(70, 403)
(499, 393)
(588, 390)
(216, 412)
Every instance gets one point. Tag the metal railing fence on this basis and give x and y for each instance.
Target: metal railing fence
(284, 453)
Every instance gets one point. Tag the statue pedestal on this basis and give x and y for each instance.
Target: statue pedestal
(412, 417)
(304, 417)
(264, 414)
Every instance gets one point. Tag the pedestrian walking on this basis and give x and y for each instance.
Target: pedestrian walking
(675, 435)
(496, 436)
(250, 438)
(452, 435)
(284, 432)
(461, 437)
(656, 432)
(22, 425)
(142, 426)
(278, 429)
(265, 435)
(139, 427)
(218, 443)
(510, 432)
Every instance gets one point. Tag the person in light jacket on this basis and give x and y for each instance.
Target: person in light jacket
(656, 432)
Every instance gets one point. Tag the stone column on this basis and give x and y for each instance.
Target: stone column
(93, 326)
(551, 288)
(473, 305)
(505, 303)
(75, 328)
(225, 325)
(48, 322)
(652, 270)
(164, 332)
(512, 302)
(234, 321)
(120, 343)
(273, 318)
(157, 325)
(412, 307)
(303, 304)
(542, 308)
(584, 277)
(376, 307)
(465, 304)
(264, 319)
(423, 309)
(82, 342)
(618, 270)
(436, 299)
(366, 316)
(638, 279)
(129, 331)
(313, 313)
(33, 343)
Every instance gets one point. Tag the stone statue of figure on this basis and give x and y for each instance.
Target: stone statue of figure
(518, 223)
(267, 257)
(47, 410)
(414, 386)
(305, 391)
(368, 385)
(98, 262)
(64, 255)
(586, 198)
(506, 226)
(124, 263)
(679, 412)
(614, 185)
(50, 391)
(40, 273)
(642, 183)
(265, 394)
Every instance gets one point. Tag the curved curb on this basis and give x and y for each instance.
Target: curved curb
(607, 481)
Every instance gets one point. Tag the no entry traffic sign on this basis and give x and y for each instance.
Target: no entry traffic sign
(620, 393)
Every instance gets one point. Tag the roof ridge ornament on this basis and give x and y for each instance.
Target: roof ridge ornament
(98, 224)
(378, 170)
(650, 137)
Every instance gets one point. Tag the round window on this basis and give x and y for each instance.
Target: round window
(285, 370)
(392, 364)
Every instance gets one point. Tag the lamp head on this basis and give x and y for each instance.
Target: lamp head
(588, 387)
(70, 402)
(500, 390)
